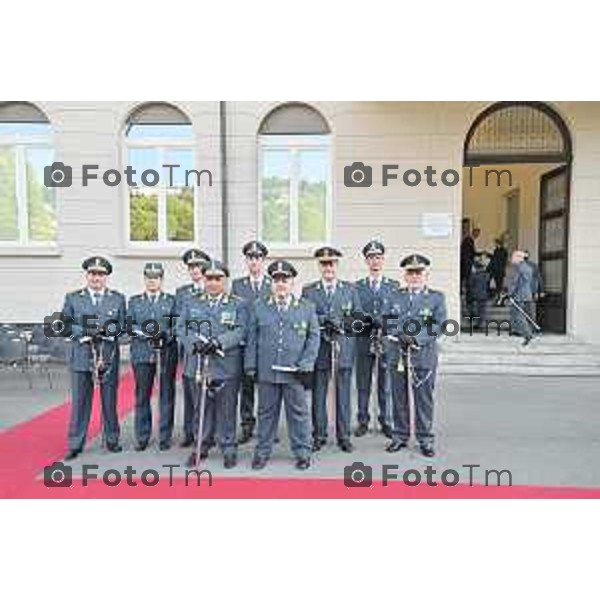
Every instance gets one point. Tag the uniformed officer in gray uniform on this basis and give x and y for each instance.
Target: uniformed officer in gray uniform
(153, 342)
(415, 315)
(373, 291)
(194, 260)
(97, 317)
(520, 286)
(336, 302)
(283, 344)
(213, 323)
(255, 285)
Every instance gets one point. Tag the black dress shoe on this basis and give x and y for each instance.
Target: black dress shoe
(187, 442)
(427, 450)
(302, 464)
(72, 454)
(164, 446)
(191, 461)
(230, 462)
(141, 446)
(527, 340)
(316, 445)
(386, 430)
(361, 430)
(114, 448)
(258, 464)
(346, 446)
(396, 447)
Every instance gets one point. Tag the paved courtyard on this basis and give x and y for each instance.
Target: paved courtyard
(546, 432)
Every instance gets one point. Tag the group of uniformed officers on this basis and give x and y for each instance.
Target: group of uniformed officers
(260, 335)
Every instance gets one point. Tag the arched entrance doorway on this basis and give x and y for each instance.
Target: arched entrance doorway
(517, 172)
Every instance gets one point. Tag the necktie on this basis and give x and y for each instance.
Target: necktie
(97, 298)
(375, 285)
(329, 291)
(255, 286)
(281, 304)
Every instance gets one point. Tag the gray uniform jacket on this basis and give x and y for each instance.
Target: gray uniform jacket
(140, 311)
(242, 287)
(404, 311)
(85, 320)
(340, 309)
(287, 338)
(520, 282)
(226, 320)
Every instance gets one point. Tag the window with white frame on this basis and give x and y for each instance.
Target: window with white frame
(160, 137)
(28, 211)
(295, 177)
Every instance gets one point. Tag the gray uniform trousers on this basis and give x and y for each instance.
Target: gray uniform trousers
(145, 374)
(270, 398)
(365, 365)
(423, 406)
(220, 416)
(519, 323)
(322, 378)
(82, 385)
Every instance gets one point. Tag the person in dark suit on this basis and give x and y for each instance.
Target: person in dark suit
(255, 285)
(336, 301)
(479, 294)
(153, 343)
(97, 318)
(194, 260)
(497, 266)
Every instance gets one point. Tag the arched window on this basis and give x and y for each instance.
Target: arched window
(159, 138)
(28, 214)
(294, 177)
(518, 132)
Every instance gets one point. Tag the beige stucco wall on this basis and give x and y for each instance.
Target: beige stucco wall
(411, 134)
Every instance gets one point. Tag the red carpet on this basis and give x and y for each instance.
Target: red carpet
(29, 447)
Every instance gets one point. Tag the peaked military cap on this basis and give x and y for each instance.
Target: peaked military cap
(372, 248)
(255, 248)
(282, 267)
(415, 262)
(195, 257)
(327, 253)
(215, 268)
(154, 269)
(97, 263)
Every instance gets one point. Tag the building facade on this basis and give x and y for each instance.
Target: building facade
(280, 171)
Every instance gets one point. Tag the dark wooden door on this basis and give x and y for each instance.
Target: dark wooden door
(554, 248)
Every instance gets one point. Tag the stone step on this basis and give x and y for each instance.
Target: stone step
(515, 347)
(524, 357)
(518, 370)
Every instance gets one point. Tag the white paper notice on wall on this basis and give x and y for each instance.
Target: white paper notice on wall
(436, 224)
